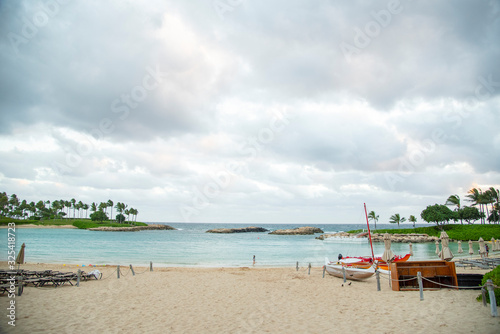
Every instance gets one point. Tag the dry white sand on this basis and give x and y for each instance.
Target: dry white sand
(240, 300)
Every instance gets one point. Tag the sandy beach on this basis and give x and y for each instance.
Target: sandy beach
(240, 300)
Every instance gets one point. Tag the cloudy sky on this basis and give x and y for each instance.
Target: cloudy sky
(248, 111)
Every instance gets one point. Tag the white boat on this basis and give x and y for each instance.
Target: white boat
(352, 271)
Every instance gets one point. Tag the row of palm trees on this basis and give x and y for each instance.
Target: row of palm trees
(394, 219)
(480, 199)
(11, 206)
(476, 196)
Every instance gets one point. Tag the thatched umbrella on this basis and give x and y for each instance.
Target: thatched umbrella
(437, 247)
(482, 250)
(20, 255)
(471, 250)
(411, 249)
(445, 253)
(460, 250)
(388, 255)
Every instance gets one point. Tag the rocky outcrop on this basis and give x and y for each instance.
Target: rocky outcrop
(411, 237)
(339, 235)
(133, 228)
(299, 230)
(237, 230)
(379, 237)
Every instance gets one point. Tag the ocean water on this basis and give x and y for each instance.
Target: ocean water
(191, 246)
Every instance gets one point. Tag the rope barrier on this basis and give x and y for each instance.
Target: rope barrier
(399, 280)
(124, 274)
(109, 275)
(453, 286)
(142, 272)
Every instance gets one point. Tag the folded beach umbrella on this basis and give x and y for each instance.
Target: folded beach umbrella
(445, 253)
(20, 255)
(471, 250)
(493, 244)
(437, 247)
(498, 245)
(388, 254)
(411, 249)
(460, 250)
(482, 250)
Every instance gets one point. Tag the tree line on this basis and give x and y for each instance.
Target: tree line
(13, 207)
(485, 206)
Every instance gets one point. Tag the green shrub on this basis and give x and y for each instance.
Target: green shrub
(454, 231)
(494, 275)
(81, 224)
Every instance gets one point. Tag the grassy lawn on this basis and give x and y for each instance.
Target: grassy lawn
(80, 223)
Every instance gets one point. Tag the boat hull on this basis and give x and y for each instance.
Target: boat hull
(351, 272)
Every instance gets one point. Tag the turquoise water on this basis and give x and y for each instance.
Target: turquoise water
(191, 246)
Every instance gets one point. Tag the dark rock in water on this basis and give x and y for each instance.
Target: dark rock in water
(238, 230)
(299, 230)
(133, 228)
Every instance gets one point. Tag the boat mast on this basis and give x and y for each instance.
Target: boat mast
(369, 233)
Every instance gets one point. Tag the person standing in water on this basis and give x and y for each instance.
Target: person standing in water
(254, 260)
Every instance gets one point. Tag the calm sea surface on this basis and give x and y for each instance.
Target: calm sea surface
(191, 246)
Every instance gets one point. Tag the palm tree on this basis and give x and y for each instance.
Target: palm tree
(13, 202)
(374, 217)
(476, 197)
(134, 213)
(68, 205)
(413, 220)
(493, 197)
(120, 207)
(396, 218)
(110, 204)
(56, 205)
(103, 206)
(32, 208)
(93, 207)
(73, 203)
(85, 207)
(454, 200)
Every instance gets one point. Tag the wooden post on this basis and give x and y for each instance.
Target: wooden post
(483, 294)
(297, 266)
(78, 276)
(133, 272)
(118, 271)
(309, 272)
(420, 285)
(493, 302)
(343, 274)
(324, 269)
(390, 274)
(377, 274)
(150, 265)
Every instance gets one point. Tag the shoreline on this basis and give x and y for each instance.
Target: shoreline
(240, 300)
(39, 226)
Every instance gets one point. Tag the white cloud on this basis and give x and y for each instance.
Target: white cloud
(151, 103)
